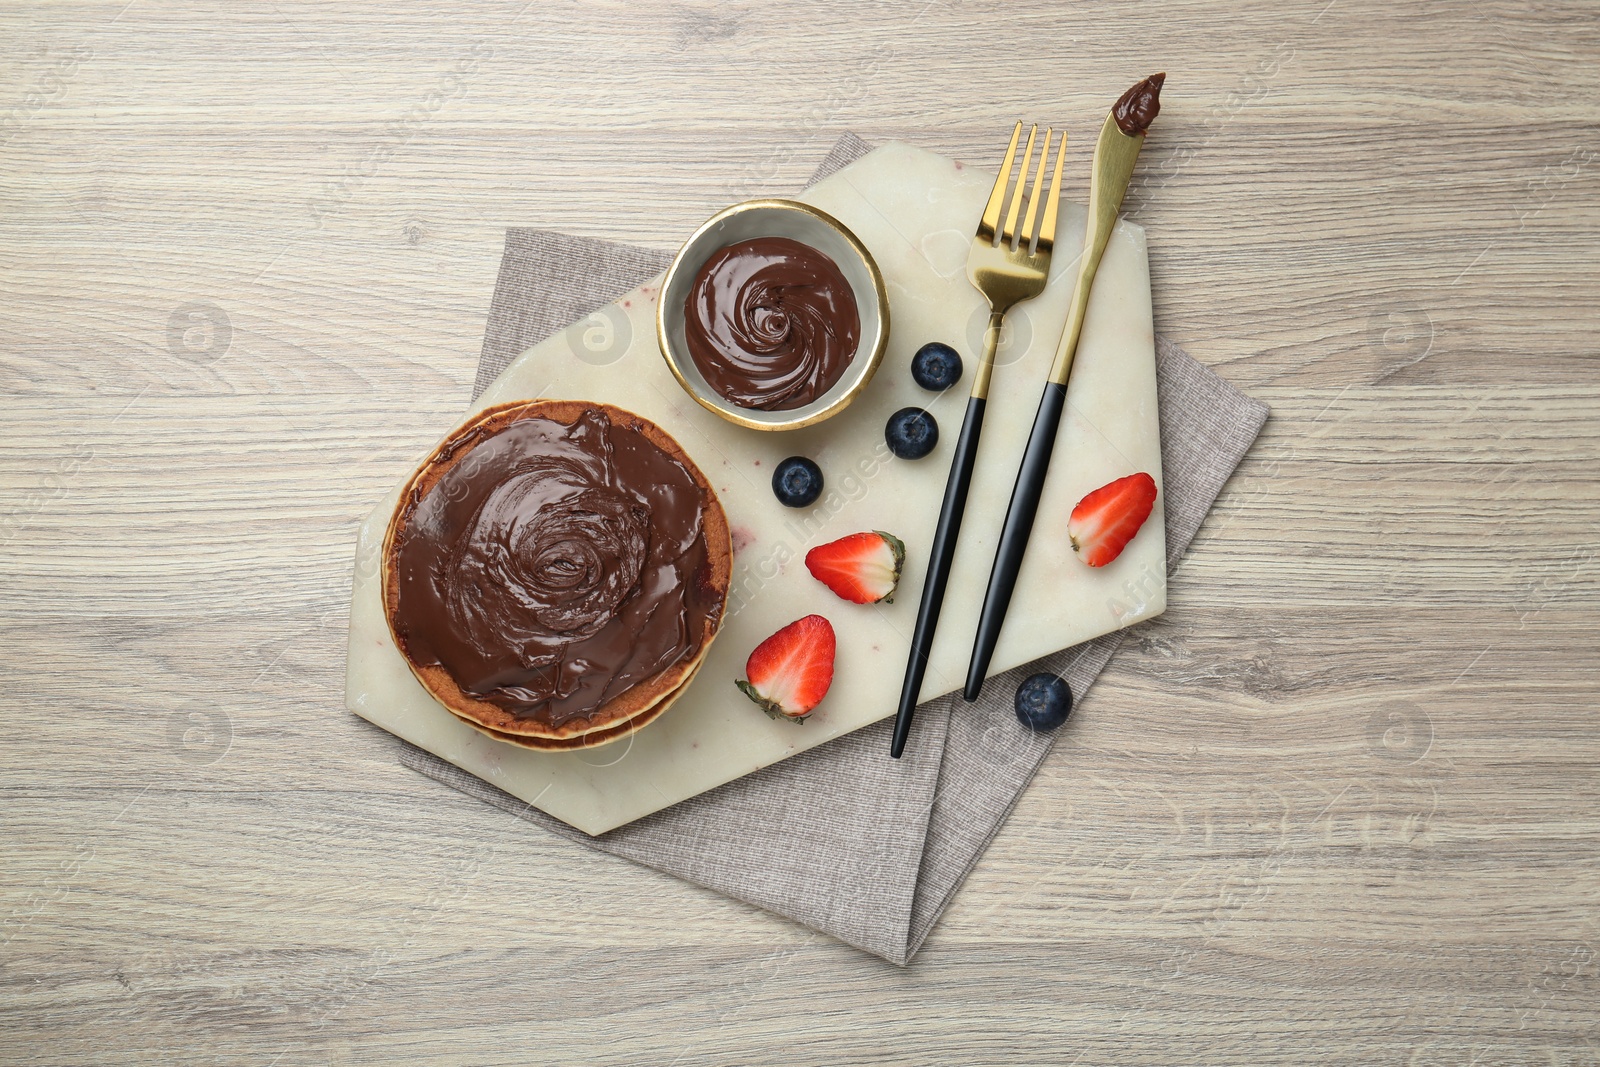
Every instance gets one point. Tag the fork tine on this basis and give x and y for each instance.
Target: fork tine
(1008, 236)
(1047, 230)
(1025, 238)
(990, 223)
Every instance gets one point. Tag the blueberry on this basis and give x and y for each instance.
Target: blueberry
(797, 482)
(1043, 702)
(911, 433)
(936, 366)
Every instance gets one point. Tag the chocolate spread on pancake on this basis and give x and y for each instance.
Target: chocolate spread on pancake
(555, 567)
(1137, 108)
(771, 323)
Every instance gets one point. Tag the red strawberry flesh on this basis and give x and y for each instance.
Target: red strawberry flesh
(1106, 520)
(863, 568)
(789, 673)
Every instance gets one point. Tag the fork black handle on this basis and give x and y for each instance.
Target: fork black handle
(944, 550)
(1014, 534)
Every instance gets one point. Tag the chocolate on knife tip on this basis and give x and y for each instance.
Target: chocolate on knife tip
(1137, 108)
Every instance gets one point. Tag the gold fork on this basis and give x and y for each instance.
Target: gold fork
(1007, 266)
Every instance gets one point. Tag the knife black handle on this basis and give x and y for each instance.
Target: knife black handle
(1014, 534)
(944, 550)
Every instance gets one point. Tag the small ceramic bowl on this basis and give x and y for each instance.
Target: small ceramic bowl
(799, 222)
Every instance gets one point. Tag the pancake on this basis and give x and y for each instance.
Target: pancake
(555, 572)
(598, 737)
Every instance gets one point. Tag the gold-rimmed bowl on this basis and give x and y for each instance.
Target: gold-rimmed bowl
(798, 222)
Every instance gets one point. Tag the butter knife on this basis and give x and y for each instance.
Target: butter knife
(1115, 153)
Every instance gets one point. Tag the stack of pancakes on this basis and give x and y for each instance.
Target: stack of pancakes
(555, 572)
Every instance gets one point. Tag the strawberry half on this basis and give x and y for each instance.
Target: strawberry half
(1105, 521)
(789, 672)
(863, 568)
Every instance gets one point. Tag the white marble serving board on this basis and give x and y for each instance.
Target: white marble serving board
(915, 211)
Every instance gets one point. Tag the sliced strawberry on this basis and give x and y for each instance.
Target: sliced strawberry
(863, 568)
(790, 671)
(1105, 521)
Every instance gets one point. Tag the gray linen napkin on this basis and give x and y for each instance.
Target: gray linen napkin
(878, 862)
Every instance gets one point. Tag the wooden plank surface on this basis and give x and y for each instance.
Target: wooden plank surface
(1338, 805)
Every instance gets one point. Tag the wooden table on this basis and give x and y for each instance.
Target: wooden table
(1339, 805)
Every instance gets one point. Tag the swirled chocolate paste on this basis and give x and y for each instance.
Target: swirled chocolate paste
(771, 323)
(553, 567)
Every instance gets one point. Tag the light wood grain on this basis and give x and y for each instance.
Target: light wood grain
(1338, 805)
